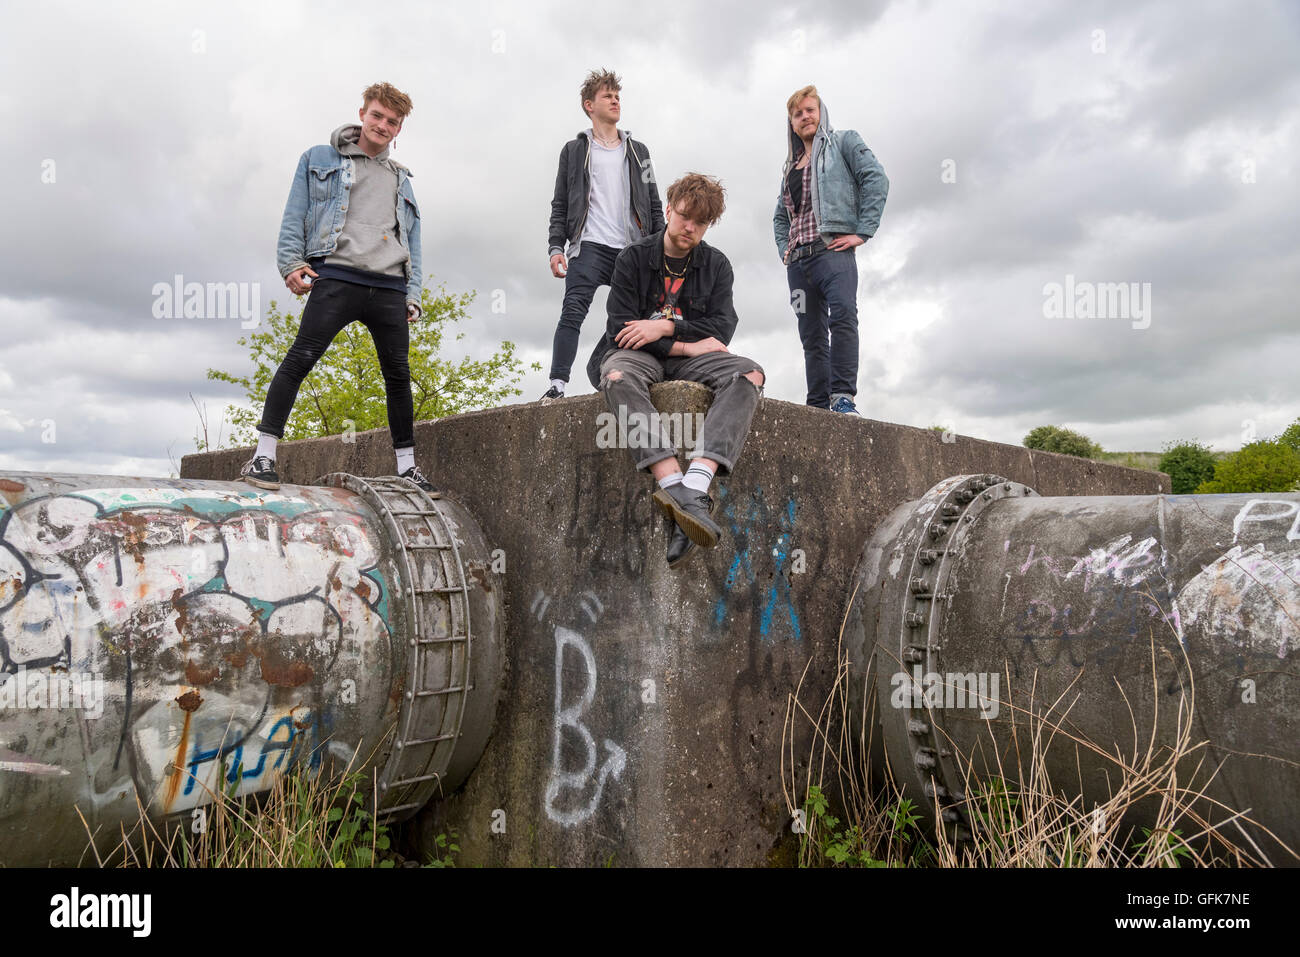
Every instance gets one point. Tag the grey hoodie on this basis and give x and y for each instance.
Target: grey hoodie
(369, 237)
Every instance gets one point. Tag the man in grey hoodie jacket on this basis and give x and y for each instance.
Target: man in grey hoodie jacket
(350, 239)
(832, 194)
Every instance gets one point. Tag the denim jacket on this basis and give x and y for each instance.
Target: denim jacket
(849, 185)
(314, 213)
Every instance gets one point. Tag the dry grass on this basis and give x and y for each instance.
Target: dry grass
(1018, 816)
(305, 819)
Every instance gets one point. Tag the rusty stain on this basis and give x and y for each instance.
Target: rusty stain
(196, 675)
(182, 613)
(476, 572)
(189, 701)
(395, 696)
(8, 485)
(300, 725)
(279, 670)
(174, 779)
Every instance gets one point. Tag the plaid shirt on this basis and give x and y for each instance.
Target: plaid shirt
(803, 225)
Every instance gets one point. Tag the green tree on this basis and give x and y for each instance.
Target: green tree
(1269, 465)
(346, 386)
(1187, 464)
(1291, 436)
(1054, 438)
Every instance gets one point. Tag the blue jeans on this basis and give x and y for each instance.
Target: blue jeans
(593, 267)
(826, 287)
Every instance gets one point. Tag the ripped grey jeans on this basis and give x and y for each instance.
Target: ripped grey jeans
(641, 428)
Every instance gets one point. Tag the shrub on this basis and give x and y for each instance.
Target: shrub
(1054, 438)
(1269, 465)
(1187, 464)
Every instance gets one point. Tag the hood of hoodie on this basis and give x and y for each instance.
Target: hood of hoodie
(344, 139)
(794, 145)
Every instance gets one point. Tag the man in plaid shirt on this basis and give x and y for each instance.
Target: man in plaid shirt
(832, 194)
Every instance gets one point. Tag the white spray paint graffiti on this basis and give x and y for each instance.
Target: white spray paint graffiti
(168, 589)
(1247, 515)
(1248, 595)
(1127, 564)
(571, 718)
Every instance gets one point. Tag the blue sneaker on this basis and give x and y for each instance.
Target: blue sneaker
(844, 403)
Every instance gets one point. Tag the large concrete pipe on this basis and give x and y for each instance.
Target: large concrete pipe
(988, 608)
(163, 639)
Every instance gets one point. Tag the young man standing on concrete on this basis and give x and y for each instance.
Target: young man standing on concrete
(350, 240)
(671, 317)
(605, 198)
(832, 194)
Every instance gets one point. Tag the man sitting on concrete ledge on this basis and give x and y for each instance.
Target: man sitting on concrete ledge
(671, 317)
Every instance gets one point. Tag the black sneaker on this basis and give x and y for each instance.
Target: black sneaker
(690, 510)
(260, 471)
(413, 474)
(551, 394)
(680, 548)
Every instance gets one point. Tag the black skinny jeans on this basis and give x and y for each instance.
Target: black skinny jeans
(331, 305)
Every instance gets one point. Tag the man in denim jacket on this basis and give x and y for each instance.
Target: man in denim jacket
(832, 194)
(350, 239)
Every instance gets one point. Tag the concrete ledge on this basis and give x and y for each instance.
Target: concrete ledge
(642, 713)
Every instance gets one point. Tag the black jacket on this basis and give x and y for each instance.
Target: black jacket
(637, 284)
(573, 187)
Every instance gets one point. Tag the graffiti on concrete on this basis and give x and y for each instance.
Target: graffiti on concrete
(228, 627)
(608, 528)
(572, 796)
(1268, 510)
(746, 520)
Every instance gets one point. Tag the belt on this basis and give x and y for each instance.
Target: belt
(806, 250)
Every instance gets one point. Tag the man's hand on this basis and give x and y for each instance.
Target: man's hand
(412, 312)
(559, 266)
(642, 332)
(295, 281)
(703, 346)
(847, 241)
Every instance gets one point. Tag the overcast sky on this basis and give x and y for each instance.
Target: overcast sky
(1149, 143)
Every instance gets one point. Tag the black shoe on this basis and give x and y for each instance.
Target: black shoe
(260, 471)
(413, 474)
(680, 548)
(690, 510)
(552, 393)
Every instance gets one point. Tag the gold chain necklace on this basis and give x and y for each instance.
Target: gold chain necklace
(686, 265)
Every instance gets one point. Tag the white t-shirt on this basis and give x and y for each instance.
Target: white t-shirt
(607, 204)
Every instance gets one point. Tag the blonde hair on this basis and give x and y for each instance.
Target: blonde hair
(389, 96)
(798, 96)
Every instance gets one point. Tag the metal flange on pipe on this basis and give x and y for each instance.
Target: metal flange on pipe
(161, 640)
(1106, 633)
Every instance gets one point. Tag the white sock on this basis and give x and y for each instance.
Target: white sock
(265, 446)
(558, 385)
(405, 459)
(698, 477)
(667, 480)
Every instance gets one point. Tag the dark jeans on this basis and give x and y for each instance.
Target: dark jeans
(642, 429)
(331, 305)
(592, 268)
(826, 286)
